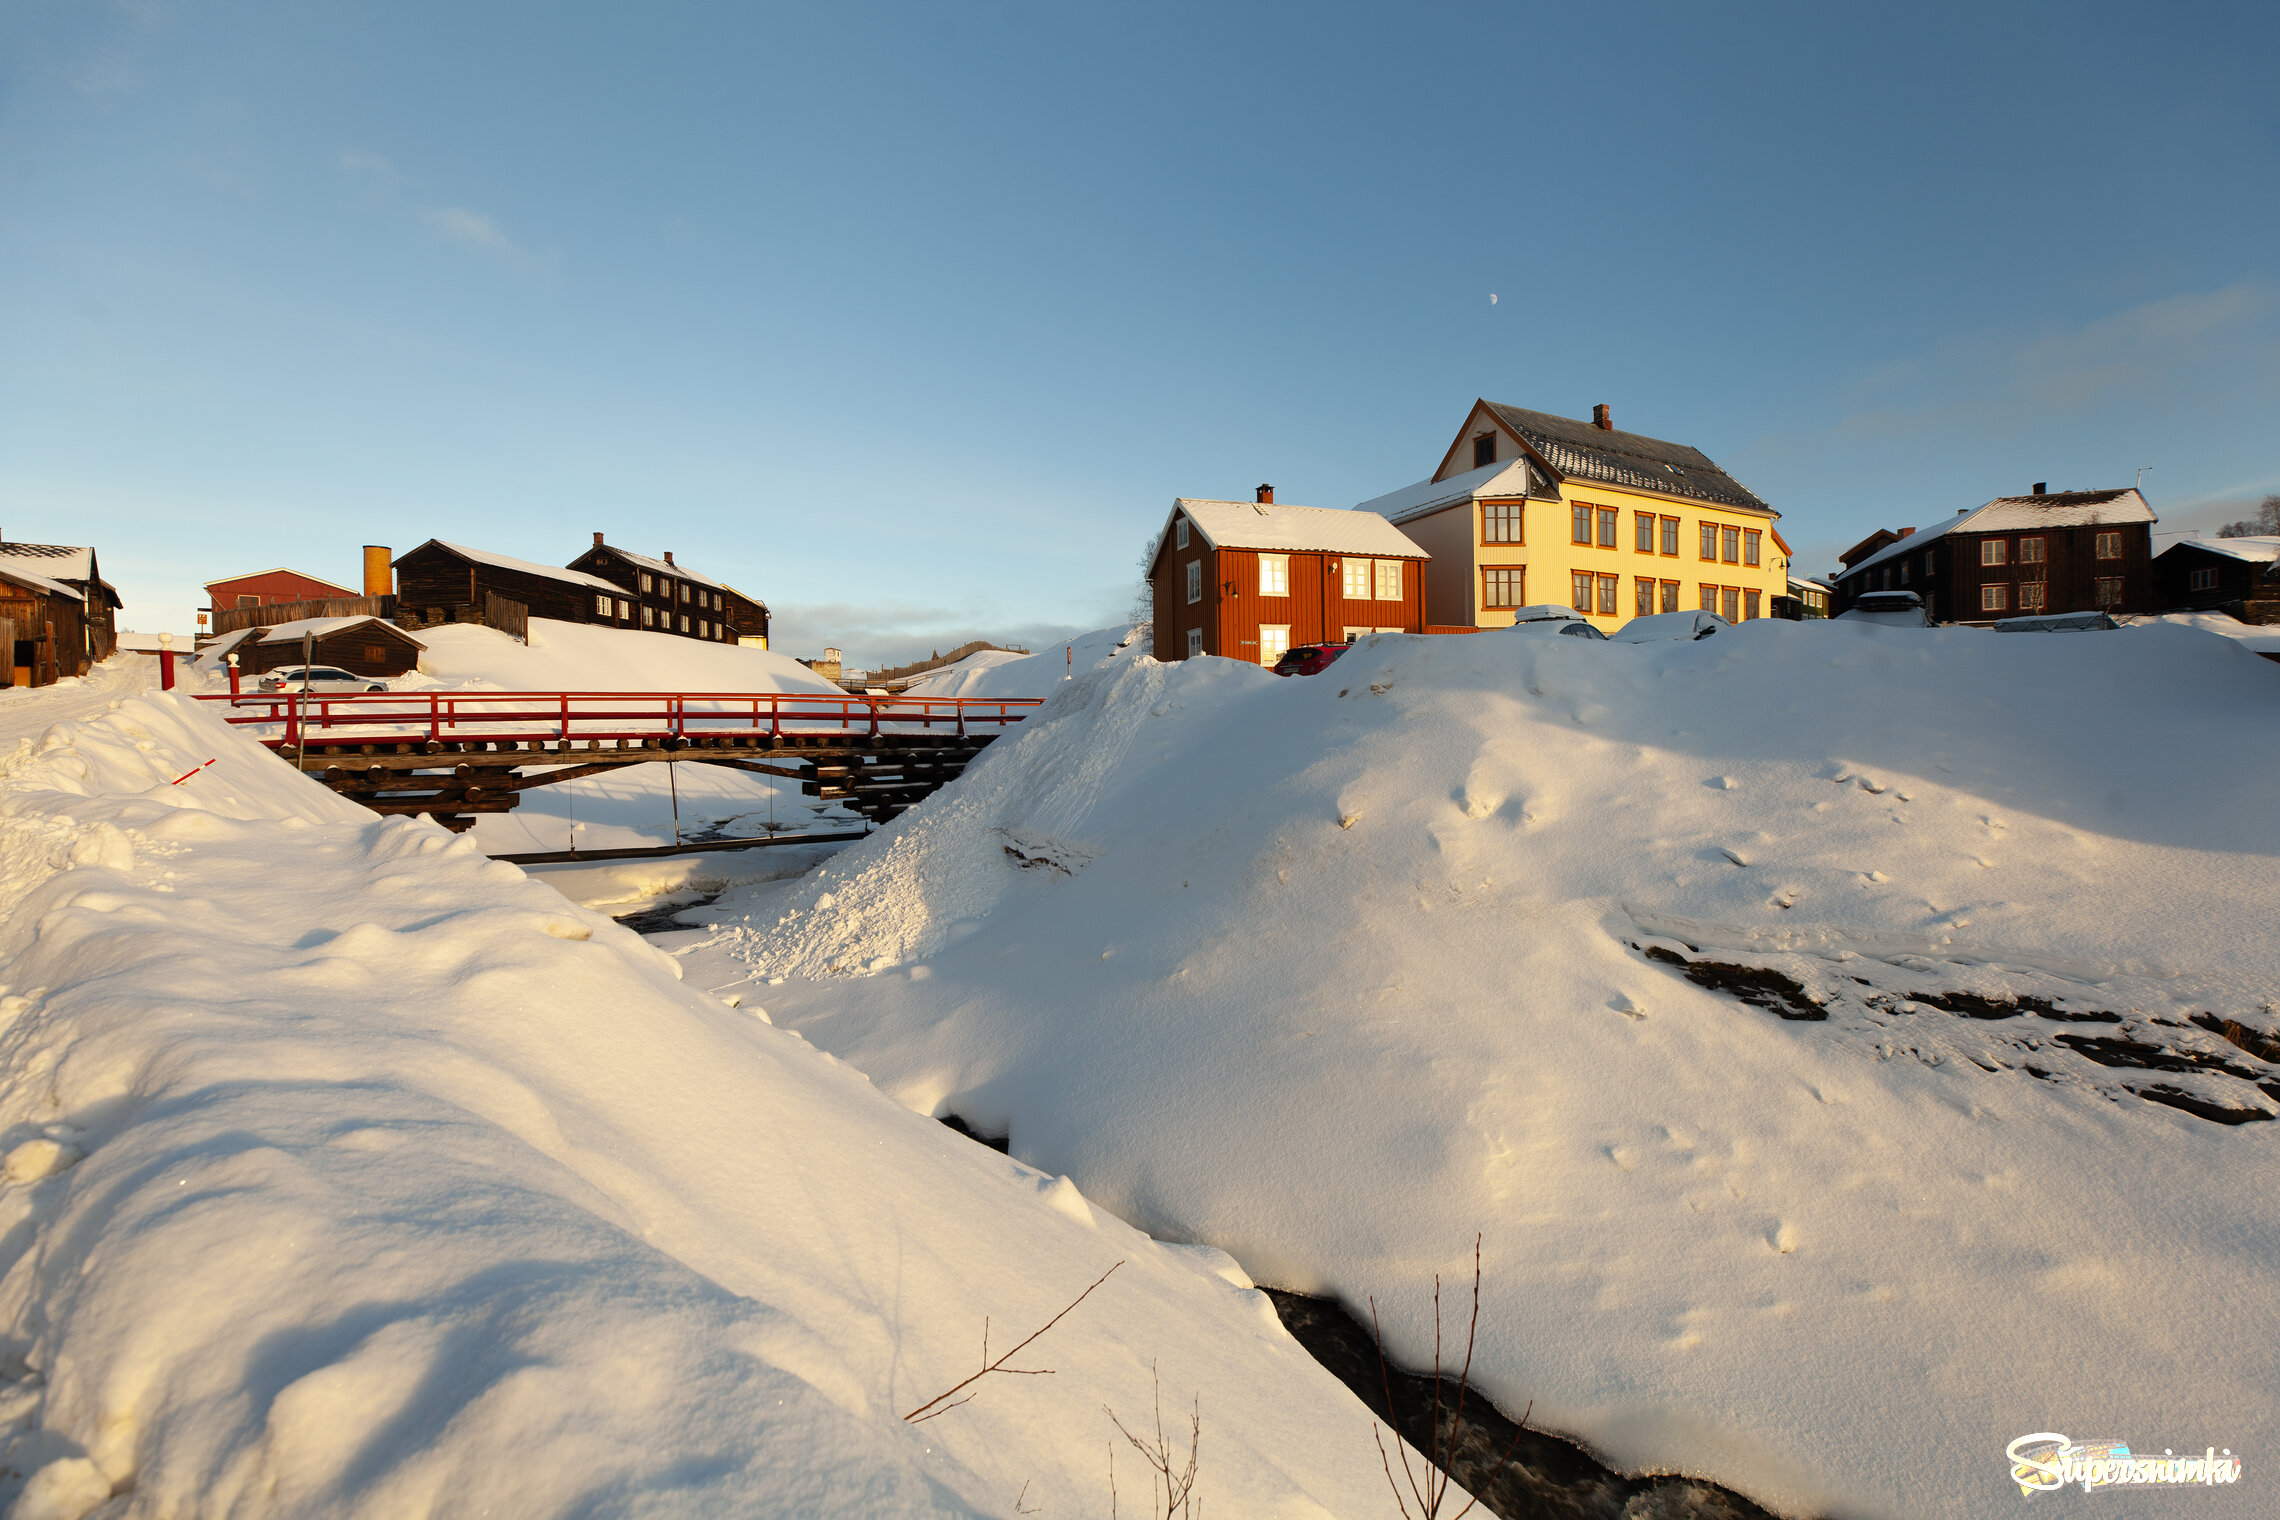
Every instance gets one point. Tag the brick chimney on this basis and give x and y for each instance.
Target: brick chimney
(597, 540)
(1904, 532)
(2042, 487)
(668, 556)
(1602, 419)
(1267, 495)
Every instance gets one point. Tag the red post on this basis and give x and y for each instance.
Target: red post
(166, 662)
(233, 680)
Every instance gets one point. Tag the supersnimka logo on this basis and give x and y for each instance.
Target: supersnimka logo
(2046, 1462)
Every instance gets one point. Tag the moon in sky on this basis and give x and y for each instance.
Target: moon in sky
(1492, 298)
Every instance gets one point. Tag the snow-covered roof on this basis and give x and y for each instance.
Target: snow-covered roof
(2013, 514)
(663, 567)
(2256, 550)
(1585, 451)
(1510, 477)
(509, 562)
(14, 570)
(1278, 528)
(63, 562)
(326, 627)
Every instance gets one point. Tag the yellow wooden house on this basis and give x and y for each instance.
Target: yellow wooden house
(1528, 508)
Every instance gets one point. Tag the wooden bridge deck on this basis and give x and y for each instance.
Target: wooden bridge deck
(452, 755)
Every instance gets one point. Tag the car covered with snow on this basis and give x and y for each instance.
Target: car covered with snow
(327, 680)
(1675, 627)
(1308, 659)
(1551, 618)
(1899, 609)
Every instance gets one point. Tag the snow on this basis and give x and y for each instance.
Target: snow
(1001, 673)
(1277, 527)
(2263, 638)
(663, 567)
(2256, 549)
(1333, 972)
(317, 628)
(586, 657)
(350, 1173)
(1508, 477)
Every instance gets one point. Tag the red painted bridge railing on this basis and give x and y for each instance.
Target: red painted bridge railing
(558, 717)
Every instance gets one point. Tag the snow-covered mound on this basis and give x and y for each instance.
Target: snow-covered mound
(1333, 972)
(1002, 673)
(583, 657)
(344, 1172)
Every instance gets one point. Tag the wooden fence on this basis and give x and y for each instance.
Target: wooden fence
(509, 617)
(230, 619)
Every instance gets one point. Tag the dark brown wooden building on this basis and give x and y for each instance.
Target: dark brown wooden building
(364, 646)
(61, 611)
(1250, 579)
(2066, 551)
(671, 598)
(2240, 576)
(450, 583)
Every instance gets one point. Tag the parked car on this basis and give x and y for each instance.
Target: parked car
(1897, 609)
(1674, 626)
(1309, 659)
(1553, 619)
(324, 680)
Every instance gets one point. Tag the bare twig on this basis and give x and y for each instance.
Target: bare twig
(1179, 1486)
(1443, 1444)
(929, 1409)
(1021, 1509)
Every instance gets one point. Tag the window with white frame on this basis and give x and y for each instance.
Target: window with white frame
(625, 611)
(684, 622)
(1994, 551)
(1389, 580)
(1274, 642)
(602, 606)
(646, 587)
(649, 617)
(1179, 534)
(1994, 598)
(2109, 546)
(1195, 580)
(2032, 597)
(1274, 575)
(1195, 642)
(1356, 573)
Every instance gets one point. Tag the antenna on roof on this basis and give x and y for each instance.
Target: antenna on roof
(2143, 471)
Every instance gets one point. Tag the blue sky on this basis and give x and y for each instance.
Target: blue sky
(913, 319)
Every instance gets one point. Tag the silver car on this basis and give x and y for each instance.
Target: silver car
(319, 680)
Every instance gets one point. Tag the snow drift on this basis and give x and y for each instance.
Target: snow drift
(583, 657)
(349, 1173)
(1332, 972)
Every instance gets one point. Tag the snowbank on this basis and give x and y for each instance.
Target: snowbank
(1001, 673)
(579, 657)
(349, 1173)
(1332, 972)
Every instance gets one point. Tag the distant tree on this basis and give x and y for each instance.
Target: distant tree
(2264, 524)
(1143, 608)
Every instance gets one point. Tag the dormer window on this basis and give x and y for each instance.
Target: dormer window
(1484, 450)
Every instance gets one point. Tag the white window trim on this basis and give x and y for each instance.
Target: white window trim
(1195, 642)
(1180, 534)
(1379, 573)
(1194, 581)
(1269, 650)
(1268, 582)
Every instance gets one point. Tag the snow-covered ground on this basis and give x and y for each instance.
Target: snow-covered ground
(580, 657)
(349, 1173)
(1333, 972)
(1002, 673)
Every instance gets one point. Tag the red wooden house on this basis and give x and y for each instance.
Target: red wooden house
(270, 588)
(1250, 579)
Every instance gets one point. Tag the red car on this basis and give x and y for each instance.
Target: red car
(1308, 659)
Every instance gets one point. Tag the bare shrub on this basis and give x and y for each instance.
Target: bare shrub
(937, 1406)
(1430, 1490)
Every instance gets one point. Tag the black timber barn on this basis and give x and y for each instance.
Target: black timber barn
(2063, 551)
(2240, 576)
(450, 583)
(674, 599)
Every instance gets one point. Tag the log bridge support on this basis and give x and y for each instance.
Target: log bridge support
(451, 781)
